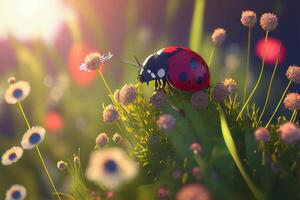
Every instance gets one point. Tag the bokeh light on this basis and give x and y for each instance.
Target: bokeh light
(54, 122)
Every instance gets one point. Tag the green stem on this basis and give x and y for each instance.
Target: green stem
(279, 103)
(247, 65)
(211, 55)
(258, 80)
(107, 87)
(270, 86)
(39, 153)
(294, 114)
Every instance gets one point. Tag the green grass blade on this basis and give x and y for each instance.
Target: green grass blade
(233, 152)
(197, 25)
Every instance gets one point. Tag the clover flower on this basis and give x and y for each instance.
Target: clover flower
(292, 101)
(11, 155)
(218, 36)
(126, 95)
(220, 92)
(33, 137)
(289, 133)
(158, 99)
(231, 85)
(166, 121)
(248, 18)
(163, 192)
(111, 167)
(193, 191)
(196, 148)
(200, 99)
(268, 22)
(293, 73)
(16, 192)
(93, 60)
(262, 134)
(110, 114)
(101, 140)
(61, 165)
(17, 91)
(117, 138)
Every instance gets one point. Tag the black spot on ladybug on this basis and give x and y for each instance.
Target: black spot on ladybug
(194, 63)
(199, 80)
(183, 76)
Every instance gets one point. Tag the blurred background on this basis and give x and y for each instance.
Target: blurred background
(45, 41)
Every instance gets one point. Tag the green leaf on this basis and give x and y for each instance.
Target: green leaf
(233, 152)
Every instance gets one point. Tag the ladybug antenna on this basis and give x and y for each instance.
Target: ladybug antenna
(138, 61)
(131, 63)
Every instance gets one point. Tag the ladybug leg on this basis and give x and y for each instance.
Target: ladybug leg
(169, 85)
(156, 85)
(159, 83)
(164, 81)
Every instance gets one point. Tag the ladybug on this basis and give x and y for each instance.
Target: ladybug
(176, 66)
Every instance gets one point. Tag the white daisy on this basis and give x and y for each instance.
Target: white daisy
(12, 155)
(111, 167)
(17, 92)
(33, 137)
(16, 192)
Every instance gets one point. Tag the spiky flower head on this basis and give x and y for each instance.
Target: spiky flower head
(61, 165)
(101, 140)
(293, 73)
(220, 92)
(196, 148)
(289, 133)
(193, 191)
(166, 121)
(158, 99)
(11, 80)
(110, 114)
(262, 134)
(200, 99)
(117, 138)
(93, 60)
(231, 85)
(268, 22)
(126, 95)
(292, 101)
(248, 18)
(218, 36)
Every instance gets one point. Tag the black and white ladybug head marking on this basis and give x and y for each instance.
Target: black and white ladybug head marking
(154, 68)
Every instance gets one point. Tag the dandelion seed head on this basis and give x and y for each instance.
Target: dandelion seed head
(11, 80)
(16, 192)
(262, 134)
(101, 140)
(196, 148)
(218, 36)
(126, 95)
(61, 165)
(248, 18)
(293, 73)
(220, 92)
(117, 138)
(292, 101)
(200, 99)
(166, 121)
(17, 92)
(111, 167)
(289, 133)
(158, 99)
(163, 192)
(110, 114)
(11, 155)
(231, 85)
(268, 22)
(193, 191)
(33, 137)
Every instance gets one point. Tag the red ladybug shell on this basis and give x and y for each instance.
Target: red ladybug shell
(187, 70)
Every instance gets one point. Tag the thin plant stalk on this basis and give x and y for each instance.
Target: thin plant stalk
(39, 153)
(258, 80)
(279, 103)
(294, 116)
(211, 55)
(106, 85)
(270, 86)
(247, 65)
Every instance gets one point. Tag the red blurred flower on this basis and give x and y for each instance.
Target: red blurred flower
(272, 50)
(54, 122)
(77, 54)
